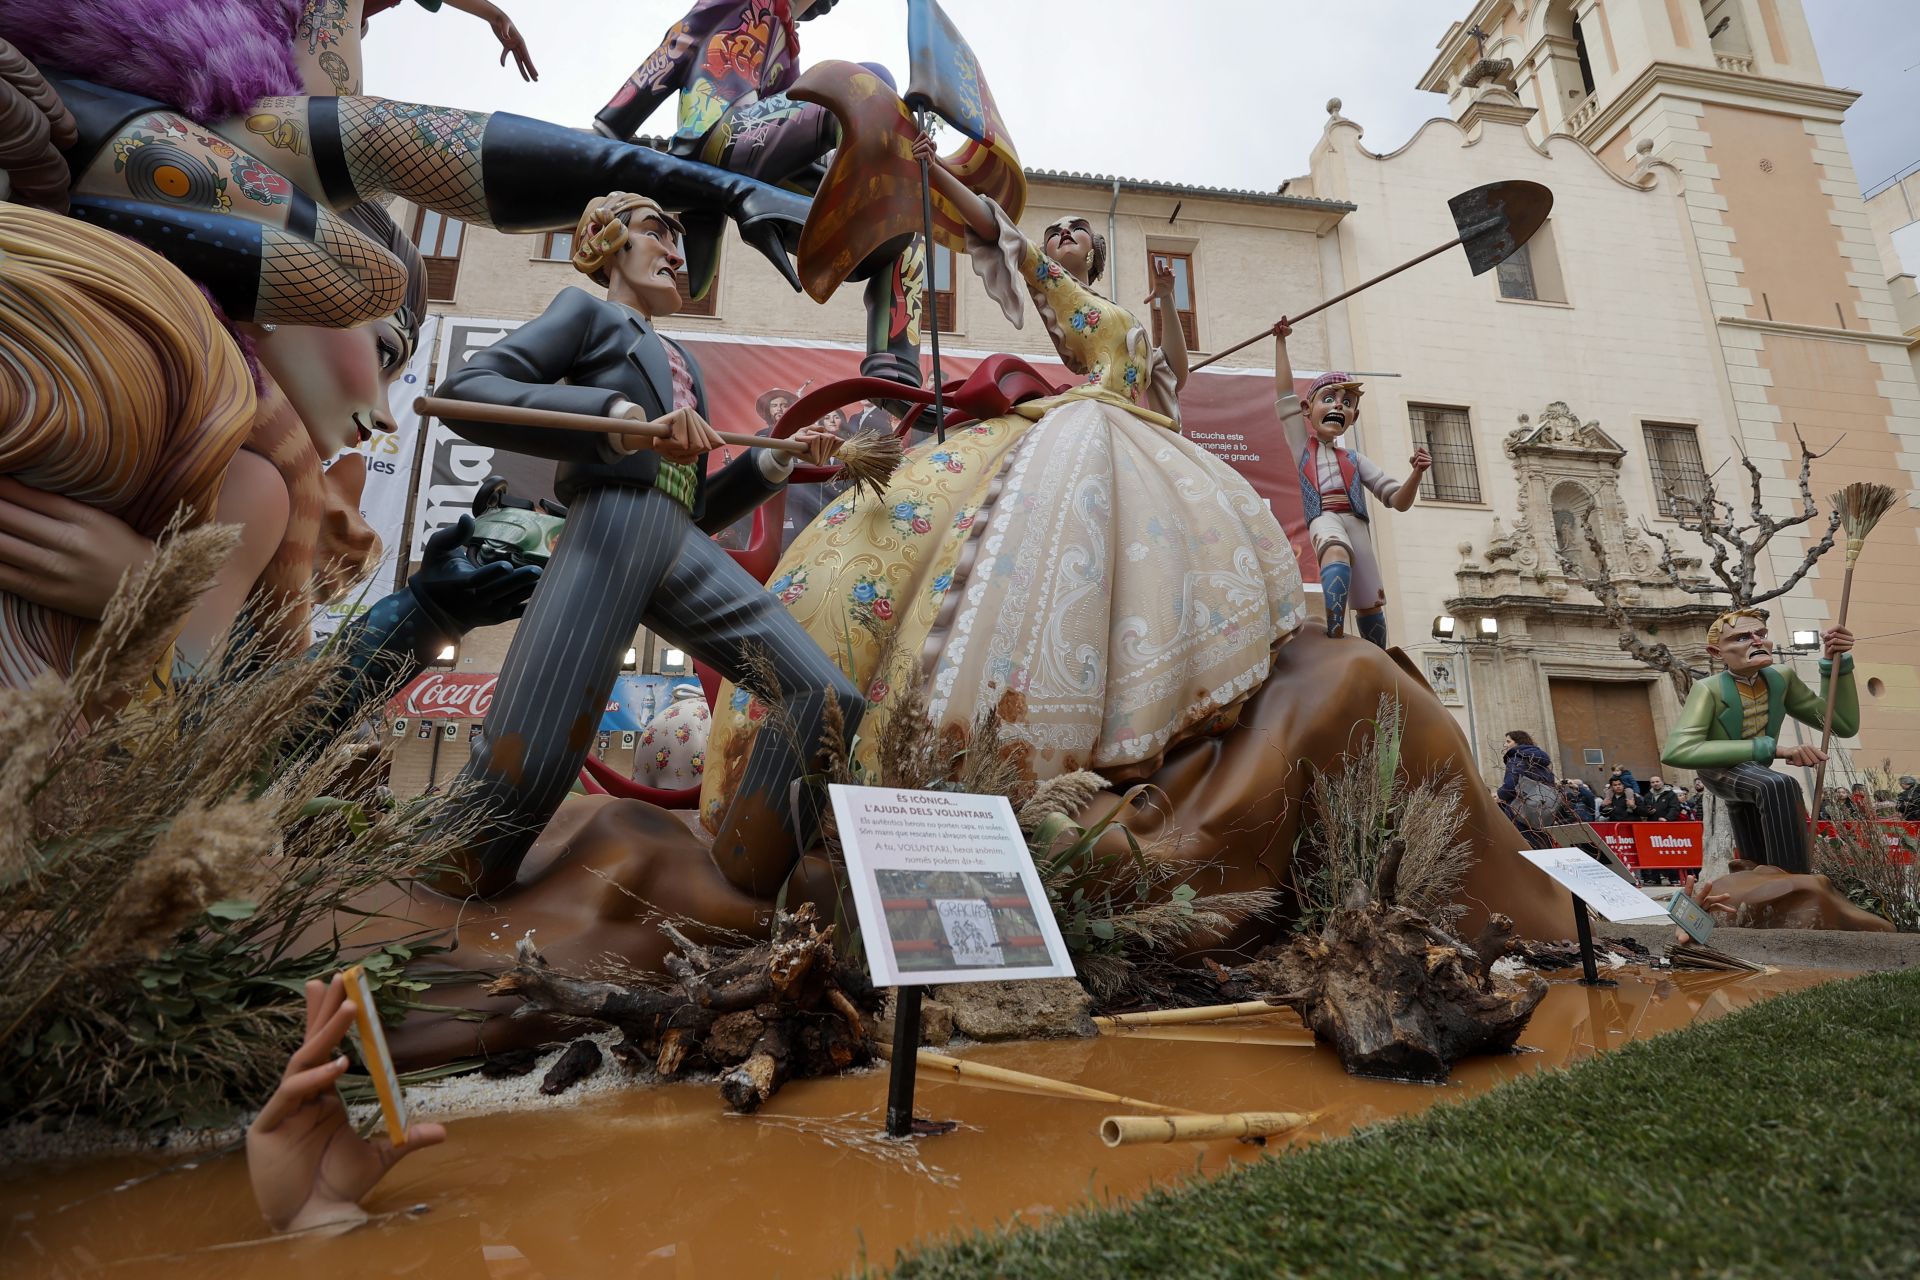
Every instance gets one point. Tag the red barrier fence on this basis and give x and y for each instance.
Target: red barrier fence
(1899, 837)
(1678, 846)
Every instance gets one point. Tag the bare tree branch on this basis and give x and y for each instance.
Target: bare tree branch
(1672, 567)
(1600, 582)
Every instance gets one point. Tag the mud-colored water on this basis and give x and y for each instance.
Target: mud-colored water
(658, 1182)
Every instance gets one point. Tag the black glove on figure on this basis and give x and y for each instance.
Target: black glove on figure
(393, 641)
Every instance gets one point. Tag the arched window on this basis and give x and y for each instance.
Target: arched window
(1726, 27)
(1580, 52)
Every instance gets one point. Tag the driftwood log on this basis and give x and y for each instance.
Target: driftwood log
(1397, 996)
(759, 1015)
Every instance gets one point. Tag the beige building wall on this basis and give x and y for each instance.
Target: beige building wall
(1628, 341)
(1894, 215)
(1254, 255)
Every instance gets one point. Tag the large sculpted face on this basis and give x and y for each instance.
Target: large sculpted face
(1332, 410)
(1744, 647)
(336, 379)
(646, 266)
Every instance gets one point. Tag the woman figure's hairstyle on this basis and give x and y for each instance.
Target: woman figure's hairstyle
(118, 387)
(1521, 736)
(378, 225)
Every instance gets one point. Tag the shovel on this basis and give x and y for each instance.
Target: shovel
(1494, 221)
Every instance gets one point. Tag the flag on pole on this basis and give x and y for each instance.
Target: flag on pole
(871, 194)
(945, 76)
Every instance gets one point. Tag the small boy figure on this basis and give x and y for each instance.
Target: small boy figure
(1333, 488)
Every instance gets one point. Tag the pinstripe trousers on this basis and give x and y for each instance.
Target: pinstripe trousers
(631, 556)
(1769, 820)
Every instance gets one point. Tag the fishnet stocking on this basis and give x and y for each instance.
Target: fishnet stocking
(337, 280)
(429, 155)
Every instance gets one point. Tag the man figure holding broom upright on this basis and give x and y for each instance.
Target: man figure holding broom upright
(636, 550)
(1728, 733)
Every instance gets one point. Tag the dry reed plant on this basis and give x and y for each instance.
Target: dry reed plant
(1859, 859)
(1367, 805)
(170, 876)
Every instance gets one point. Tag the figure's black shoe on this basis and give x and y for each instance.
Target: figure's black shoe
(539, 177)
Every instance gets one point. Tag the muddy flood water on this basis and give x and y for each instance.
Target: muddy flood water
(658, 1182)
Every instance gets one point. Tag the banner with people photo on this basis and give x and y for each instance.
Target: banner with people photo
(751, 381)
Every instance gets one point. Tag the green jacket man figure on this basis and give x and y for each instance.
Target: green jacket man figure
(1729, 732)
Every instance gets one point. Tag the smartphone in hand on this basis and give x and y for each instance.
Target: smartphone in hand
(372, 1039)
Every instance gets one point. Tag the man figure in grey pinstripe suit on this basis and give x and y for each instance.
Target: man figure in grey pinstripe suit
(636, 550)
(1729, 732)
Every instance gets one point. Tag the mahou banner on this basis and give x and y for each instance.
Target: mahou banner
(750, 380)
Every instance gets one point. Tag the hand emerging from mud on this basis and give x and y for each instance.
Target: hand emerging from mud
(308, 1166)
(1716, 904)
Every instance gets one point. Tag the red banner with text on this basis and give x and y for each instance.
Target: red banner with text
(1657, 846)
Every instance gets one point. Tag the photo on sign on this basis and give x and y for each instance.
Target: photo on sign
(944, 888)
(957, 919)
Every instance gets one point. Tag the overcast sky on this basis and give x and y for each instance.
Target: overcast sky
(1213, 92)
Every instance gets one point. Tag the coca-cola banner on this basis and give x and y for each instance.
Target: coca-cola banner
(749, 381)
(447, 695)
(453, 695)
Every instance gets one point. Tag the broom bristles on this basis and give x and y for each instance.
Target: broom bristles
(871, 458)
(1861, 505)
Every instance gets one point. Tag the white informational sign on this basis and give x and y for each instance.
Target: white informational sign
(389, 462)
(945, 888)
(1594, 884)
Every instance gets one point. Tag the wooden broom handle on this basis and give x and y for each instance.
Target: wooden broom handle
(1833, 686)
(554, 419)
(1317, 308)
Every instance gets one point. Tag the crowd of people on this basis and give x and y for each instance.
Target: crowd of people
(1534, 798)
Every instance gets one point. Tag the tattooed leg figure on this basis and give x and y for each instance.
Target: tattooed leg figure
(731, 62)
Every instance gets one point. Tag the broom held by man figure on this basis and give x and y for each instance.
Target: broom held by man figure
(1334, 483)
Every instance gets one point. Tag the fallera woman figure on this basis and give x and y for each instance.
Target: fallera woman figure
(1106, 585)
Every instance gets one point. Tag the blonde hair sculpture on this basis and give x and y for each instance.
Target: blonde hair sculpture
(603, 229)
(1719, 625)
(118, 387)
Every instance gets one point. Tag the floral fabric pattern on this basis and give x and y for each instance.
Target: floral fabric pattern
(999, 570)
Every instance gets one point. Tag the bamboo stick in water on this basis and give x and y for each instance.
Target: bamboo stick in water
(1199, 1013)
(1128, 1131)
(983, 1073)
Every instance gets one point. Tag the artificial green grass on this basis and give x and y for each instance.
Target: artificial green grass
(1783, 1140)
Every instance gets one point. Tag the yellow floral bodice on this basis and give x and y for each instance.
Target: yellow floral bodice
(1096, 337)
